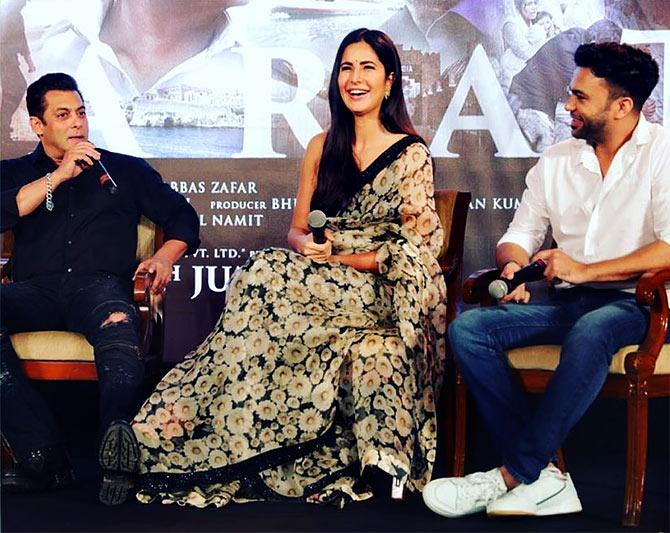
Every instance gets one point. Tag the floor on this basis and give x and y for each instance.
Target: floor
(594, 453)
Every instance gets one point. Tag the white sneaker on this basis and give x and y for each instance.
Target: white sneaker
(552, 493)
(459, 496)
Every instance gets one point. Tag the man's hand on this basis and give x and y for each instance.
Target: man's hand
(161, 267)
(75, 161)
(520, 294)
(562, 266)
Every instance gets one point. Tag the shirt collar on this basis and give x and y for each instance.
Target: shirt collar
(41, 160)
(86, 21)
(642, 133)
(587, 156)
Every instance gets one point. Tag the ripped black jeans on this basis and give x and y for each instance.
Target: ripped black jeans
(98, 306)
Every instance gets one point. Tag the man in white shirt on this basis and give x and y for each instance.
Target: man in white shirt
(606, 195)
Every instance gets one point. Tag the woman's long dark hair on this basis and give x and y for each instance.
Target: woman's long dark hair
(338, 176)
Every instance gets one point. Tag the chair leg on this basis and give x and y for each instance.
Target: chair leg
(636, 451)
(459, 425)
(448, 409)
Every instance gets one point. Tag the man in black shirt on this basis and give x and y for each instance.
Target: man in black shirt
(73, 263)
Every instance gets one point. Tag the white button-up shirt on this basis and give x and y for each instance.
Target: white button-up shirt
(594, 218)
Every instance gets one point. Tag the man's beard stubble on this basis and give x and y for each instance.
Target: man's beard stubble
(592, 130)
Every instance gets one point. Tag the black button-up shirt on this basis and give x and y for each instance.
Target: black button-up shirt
(89, 230)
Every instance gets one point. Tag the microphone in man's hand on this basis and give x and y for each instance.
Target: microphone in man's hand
(501, 287)
(316, 221)
(106, 181)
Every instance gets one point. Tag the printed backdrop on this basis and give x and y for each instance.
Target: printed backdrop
(222, 97)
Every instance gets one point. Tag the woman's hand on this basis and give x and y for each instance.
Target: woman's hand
(318, 252)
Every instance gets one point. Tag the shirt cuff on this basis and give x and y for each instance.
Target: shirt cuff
(521, 239)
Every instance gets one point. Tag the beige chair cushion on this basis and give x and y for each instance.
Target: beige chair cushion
(67, 346)
(52, 346)
(546, 357)
(146, 232)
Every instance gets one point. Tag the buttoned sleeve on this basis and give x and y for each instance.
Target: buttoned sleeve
(167, 208)
(531, 220)
(9, 213)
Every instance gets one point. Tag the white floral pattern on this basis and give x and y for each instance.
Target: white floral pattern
(314, 371)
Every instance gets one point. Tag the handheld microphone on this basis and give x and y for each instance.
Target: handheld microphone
(501, 287)
(105, 179)
(316, 221)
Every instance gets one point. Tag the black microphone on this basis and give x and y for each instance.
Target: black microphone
(501, 287)
(316, 221)
(105, 179)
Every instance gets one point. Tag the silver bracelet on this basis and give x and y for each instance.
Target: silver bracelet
(50, 196)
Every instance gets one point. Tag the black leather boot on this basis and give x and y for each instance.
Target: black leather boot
(119, 458)
(39, 469)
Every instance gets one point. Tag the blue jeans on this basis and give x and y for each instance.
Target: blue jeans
(71, 302)
(589, 324)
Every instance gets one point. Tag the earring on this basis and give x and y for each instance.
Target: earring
(387, 93)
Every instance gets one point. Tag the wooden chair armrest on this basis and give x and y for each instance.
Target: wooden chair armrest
(142, 288)
(651, 291)
(5, 274)
(476, 287)
(449, 265)
(650, 284)
(146, 307)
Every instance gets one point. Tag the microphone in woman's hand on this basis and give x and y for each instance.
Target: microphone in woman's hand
(316, 221)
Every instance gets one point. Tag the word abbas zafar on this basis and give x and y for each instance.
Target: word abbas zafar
(73, 264)
(215, 187)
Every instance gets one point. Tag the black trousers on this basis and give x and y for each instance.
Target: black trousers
(70, 302)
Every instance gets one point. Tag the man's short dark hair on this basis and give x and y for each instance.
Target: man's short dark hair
(55, 81)
(629, 71)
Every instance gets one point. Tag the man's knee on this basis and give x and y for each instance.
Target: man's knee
(601, 333)
(117, 351)
(465, 331)
(116, 330)
(115, 318)
(112, 315)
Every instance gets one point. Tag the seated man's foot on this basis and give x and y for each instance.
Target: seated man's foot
(39, 469)
(119, 456)
(459, 496)
(552, 493)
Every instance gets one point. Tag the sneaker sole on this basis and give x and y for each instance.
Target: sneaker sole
(569, 505)
(541, 512)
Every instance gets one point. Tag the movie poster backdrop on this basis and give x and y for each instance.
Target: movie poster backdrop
(224, 108)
